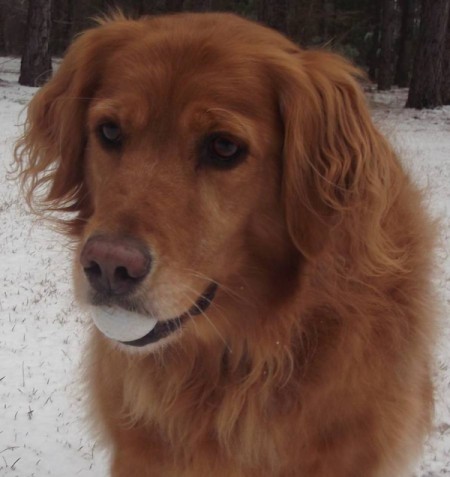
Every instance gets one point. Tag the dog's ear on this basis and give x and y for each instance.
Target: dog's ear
(331, 147)
(49, 155)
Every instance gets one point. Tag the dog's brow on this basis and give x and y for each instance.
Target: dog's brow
(104, 107)
(229, 118)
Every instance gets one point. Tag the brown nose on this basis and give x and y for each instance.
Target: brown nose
(114, 265)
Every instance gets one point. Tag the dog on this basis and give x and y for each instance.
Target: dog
(256, 261)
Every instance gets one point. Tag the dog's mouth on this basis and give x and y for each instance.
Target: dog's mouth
(116, 322)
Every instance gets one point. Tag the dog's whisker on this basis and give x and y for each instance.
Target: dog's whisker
(202, 312)
(216, 330)
(226, 289)
(212, 304)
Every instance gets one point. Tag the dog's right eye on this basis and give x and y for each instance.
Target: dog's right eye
(110, 134)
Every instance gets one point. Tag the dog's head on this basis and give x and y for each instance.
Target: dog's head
(203, 158)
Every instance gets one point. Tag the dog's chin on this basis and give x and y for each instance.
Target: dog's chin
(131, 327)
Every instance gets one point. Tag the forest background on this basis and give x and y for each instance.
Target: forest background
(403, 43)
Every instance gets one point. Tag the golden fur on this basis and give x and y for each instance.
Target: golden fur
(314, 358)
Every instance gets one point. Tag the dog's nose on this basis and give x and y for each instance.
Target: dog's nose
(114, 265)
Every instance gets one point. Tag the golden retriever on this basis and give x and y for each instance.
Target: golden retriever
(230, 191)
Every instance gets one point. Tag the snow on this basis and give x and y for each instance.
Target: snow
(42, 331)
(423, 140)
(42, 430)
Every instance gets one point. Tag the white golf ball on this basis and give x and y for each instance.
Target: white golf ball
(121, 325)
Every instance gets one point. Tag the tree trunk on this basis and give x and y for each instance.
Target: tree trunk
(274, 13)
(279, 15)
(198, 5)
(386, 73)
(62, 29)
(374, 12)
(426, 81)
(328, 8)
(36, 65)
(139, 7)
(108, 5)
(406, 46)
(224, 5)
(262, 11)
(174, 5)
(446, 67)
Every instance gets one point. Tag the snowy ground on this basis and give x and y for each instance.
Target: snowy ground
(42, 432)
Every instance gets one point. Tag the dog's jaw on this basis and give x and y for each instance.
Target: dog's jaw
(143, 330)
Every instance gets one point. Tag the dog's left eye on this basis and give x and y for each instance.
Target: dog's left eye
(224, 148)
(222, 152)
(110, 134)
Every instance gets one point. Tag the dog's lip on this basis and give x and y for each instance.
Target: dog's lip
(167, 327)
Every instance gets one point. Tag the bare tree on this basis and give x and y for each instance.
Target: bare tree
(13, 20)
(309, 21)
(36, 65)
(274, 13)
(198, 5)
(426, 81)
(374, 13)
(385, 72)
(62, 30)
(108, 5)
(328, 8)
(174, 5)
(139, 7)
(224, 5)
(446, 67)
(406, 42)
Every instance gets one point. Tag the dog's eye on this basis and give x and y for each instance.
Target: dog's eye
(223, 148)
(110, 134)
(222, 152)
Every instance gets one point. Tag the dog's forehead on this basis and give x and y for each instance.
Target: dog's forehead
(163, 66)
(162, 77)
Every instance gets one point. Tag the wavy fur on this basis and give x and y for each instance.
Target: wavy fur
(314, 359)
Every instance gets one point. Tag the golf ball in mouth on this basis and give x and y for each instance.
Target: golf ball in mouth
(121, 325)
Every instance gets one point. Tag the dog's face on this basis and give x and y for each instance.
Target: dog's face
(177, 161)
(204, 156)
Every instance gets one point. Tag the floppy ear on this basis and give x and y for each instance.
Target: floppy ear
(49, 155)
(334, 159)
